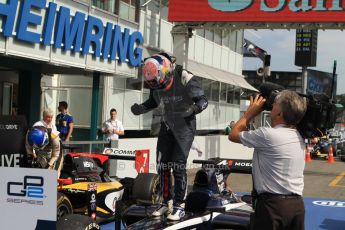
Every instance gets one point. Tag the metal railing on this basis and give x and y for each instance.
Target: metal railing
(89, 146)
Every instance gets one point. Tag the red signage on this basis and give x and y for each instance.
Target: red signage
(276, 11)
(142, 160)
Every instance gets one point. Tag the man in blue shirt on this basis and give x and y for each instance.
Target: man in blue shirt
(64, 122)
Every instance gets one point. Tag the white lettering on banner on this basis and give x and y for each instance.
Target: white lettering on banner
(9, 160)
(243, 164)
(330, 203)
(114, 151)
(8, 127)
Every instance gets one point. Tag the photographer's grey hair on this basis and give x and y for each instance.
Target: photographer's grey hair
(292, 106)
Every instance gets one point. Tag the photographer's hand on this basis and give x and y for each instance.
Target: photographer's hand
(254, 109)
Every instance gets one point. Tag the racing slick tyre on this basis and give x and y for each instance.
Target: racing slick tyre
(76, 222)
(146, 187)
(64, 206)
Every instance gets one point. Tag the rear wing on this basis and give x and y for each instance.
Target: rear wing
(232, 165)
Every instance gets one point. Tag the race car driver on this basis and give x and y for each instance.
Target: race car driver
(182, 98)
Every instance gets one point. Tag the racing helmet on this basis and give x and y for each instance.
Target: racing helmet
(38, 137)
(158, 71)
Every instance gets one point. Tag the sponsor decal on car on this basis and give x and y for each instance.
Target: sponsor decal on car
(111, 198)
(88, 164)
(243, 164)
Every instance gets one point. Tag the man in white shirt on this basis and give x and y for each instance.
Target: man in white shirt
(113, 128)
(278, 162)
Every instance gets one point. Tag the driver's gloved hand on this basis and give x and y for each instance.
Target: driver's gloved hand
(190, 111)
(138, 109)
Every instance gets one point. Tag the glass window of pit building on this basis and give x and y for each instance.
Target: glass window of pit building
(233, 39)
(127, 9)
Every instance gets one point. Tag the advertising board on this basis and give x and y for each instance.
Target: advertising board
(28, 198)
(278, 11)
(320, 82)
(12, 139)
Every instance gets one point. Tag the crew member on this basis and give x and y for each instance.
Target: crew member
(64, 122)
(43, 144)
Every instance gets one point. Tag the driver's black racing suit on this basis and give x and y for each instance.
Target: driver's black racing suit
(181, 102)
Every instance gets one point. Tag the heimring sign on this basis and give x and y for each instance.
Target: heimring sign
(70, 32)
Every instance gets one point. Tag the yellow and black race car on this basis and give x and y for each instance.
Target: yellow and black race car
(80, 170)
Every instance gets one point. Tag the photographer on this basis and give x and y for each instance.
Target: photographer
(278, 161)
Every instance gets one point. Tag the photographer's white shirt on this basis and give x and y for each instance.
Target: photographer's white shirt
(110, 125)
(278, 160)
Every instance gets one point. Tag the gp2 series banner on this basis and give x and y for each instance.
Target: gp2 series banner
(28, 198)
(277, 11)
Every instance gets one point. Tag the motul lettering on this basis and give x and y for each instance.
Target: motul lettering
(276, 5)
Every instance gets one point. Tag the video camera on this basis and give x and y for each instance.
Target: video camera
(319, 117)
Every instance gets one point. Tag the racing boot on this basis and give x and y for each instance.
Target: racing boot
(164, 208)
(177, 213)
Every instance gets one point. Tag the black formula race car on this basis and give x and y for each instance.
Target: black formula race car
(210, 204)
(83, 171)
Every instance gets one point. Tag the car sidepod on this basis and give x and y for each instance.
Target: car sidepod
(107, 195)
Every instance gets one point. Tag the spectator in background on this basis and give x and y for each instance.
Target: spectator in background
(64, 122)
(113, 128)
(229, 128)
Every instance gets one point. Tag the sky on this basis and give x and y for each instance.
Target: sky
(281, 45)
